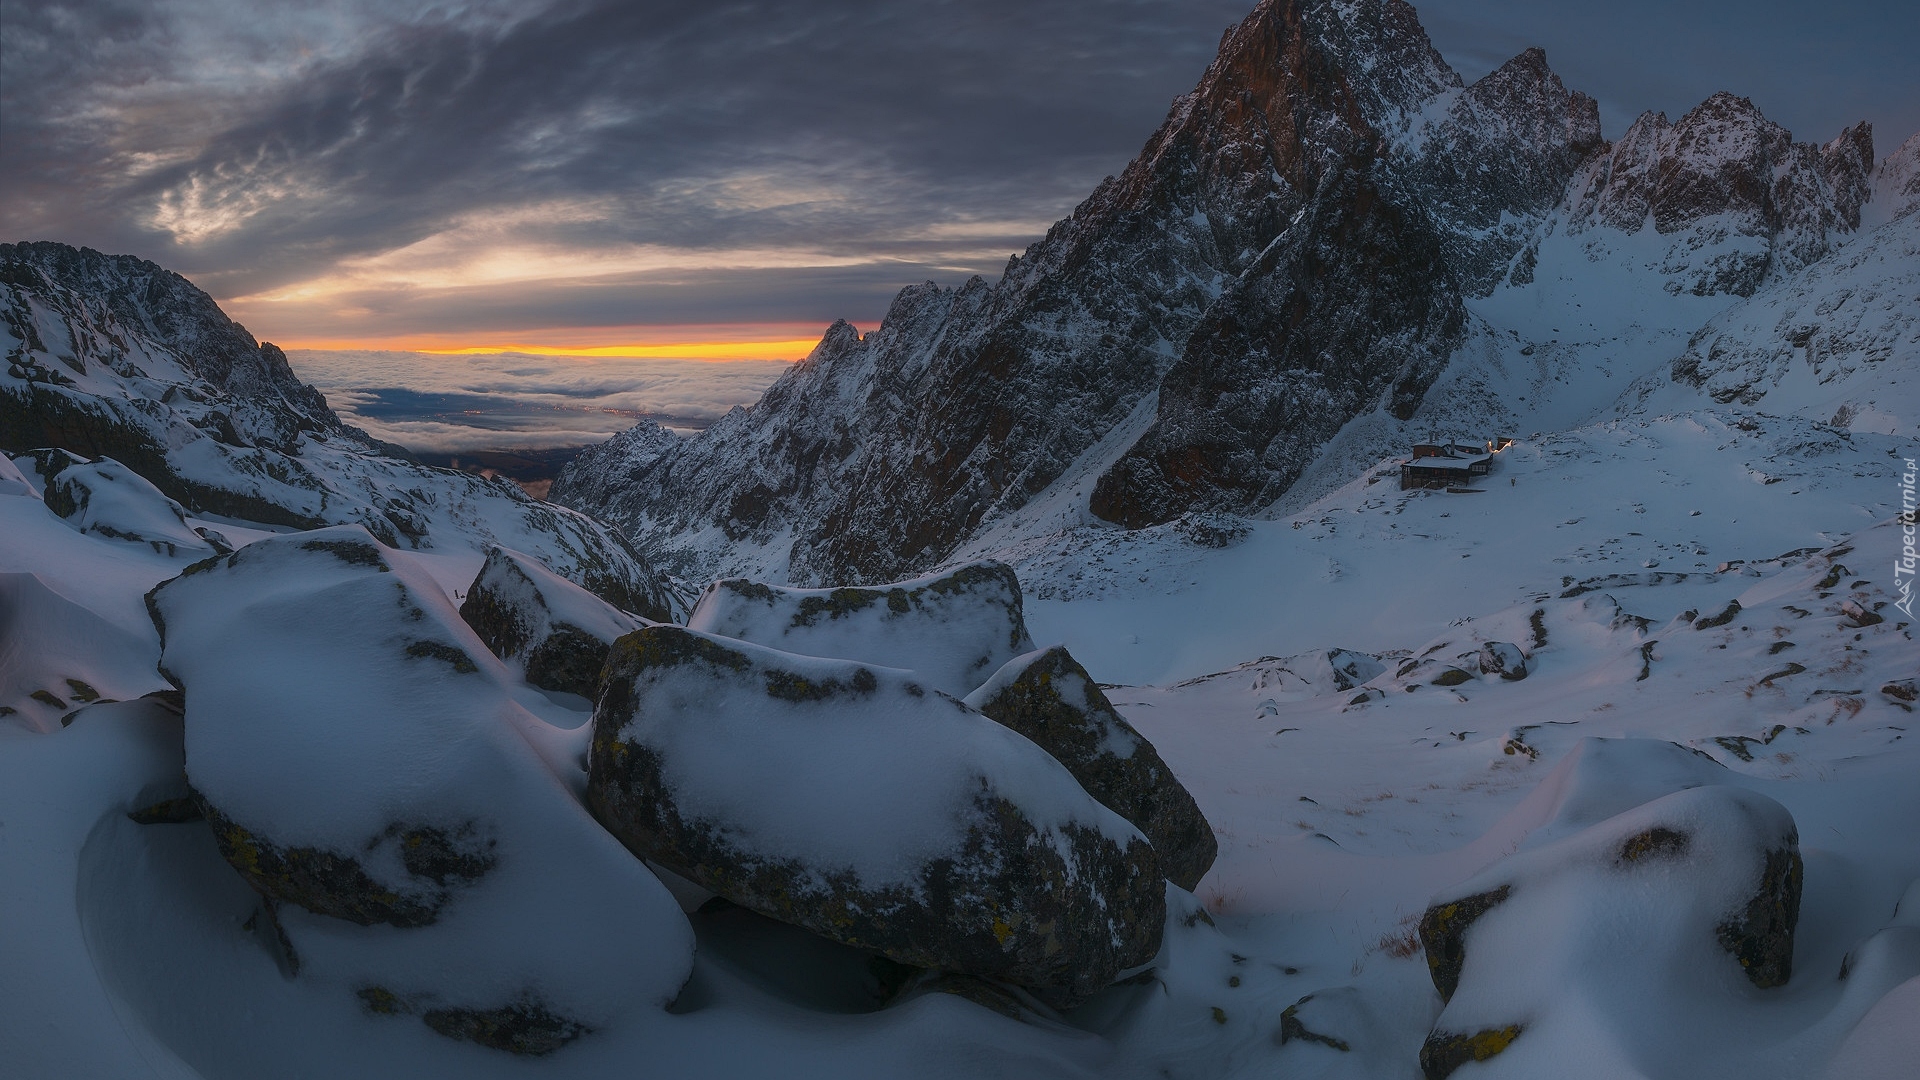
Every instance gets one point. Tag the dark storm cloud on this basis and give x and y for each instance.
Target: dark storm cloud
(688, 162)
(691, 126)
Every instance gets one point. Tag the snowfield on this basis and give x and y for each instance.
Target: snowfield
(1347, 793)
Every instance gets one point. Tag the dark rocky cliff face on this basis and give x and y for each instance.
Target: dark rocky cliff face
(967, 402)
(1495, 163)
(1291, 249)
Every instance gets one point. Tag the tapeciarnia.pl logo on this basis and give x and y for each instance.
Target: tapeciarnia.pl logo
(1903, 567)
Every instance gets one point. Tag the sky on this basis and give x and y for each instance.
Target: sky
(582, 174)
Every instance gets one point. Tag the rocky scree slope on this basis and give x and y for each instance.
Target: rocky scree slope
(110, 356)
(1293, 249)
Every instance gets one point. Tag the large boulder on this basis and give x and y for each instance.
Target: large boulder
(953, 629)
(106, 499)
(856, 802)
(1695, 894)
(556, 631)
(363, 765)
(1048, 697)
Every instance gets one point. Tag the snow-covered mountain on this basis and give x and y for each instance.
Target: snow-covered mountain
(1331, 243)
(1656, 683)
(113, 357)
(1601, 769)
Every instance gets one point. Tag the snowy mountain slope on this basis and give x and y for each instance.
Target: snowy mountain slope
(1839, 340)
(965, 403)
(92, 311)
(1896, 184)
(1610, 505)
(136, 949)
(1599, 331)
(1330, 247)
(111, 356)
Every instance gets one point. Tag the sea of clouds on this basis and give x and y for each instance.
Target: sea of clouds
(435, 404)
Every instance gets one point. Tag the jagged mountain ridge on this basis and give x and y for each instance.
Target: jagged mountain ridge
(1290, 252)
(113, 356)
(254, 396)
(1727, 178)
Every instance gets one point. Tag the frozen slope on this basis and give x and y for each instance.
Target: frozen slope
(1344, 791)
(1652, 506)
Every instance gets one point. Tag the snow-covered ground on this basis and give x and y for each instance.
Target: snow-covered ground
(1697, 580)
(1343, 802)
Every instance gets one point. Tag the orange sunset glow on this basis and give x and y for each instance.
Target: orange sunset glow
(744, 342)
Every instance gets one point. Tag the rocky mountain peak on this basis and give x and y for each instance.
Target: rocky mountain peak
(1742, 200)
(1490, 162)
(1847, 165)
(1290, 251)
(265, 404)
(1375, 50)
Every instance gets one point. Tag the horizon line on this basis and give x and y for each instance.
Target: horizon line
(785, 341)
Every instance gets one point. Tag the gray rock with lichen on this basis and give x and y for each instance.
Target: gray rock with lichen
(1048, 697)
(362, 762)
(1709, 876)
(867, 807)
(558, 632)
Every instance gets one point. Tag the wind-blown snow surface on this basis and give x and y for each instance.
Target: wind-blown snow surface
(130, 954)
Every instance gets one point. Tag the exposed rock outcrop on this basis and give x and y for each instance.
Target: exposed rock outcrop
(1503, 658)
(857, 803)
(1048, 697)
(558, 632)
(362, 764)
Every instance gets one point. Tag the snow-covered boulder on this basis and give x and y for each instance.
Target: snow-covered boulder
(1688, 892)
(1350, 669)
(1048, 697)
(857, 802)
(953, 629)
(360, 758)
(13, 481)
(1503, 658)
(105, 498)
(557, 631)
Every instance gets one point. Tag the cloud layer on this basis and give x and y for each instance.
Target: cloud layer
(365, 169)
(459, 404)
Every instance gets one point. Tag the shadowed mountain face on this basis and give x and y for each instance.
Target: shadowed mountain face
(110, 356)
(1291, 250)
